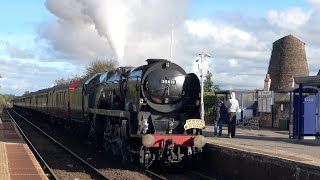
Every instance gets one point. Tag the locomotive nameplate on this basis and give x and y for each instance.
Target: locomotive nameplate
(194, 123)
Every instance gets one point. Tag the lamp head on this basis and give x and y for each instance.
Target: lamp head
(206, 54)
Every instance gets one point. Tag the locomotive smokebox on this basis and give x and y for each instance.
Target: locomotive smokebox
(288, 59)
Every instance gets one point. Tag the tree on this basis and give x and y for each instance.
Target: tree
(208, 84)
(61, 81)
(99, 66)
(66, 81)
(216, 87)
(25, 93)
(5, 100)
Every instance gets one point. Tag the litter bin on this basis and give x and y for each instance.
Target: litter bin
(283, 124)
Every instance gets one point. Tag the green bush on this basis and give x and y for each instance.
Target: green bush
(5, 100)
(208, 98)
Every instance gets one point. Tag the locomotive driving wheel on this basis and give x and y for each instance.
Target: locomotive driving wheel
(111, 137)
(145, 157)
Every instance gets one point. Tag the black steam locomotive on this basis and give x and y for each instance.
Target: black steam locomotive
(150, 112)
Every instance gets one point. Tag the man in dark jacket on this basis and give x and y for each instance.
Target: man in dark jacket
(223, 115)
(217, 118)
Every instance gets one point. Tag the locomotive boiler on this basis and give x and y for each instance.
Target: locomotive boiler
(149, 113)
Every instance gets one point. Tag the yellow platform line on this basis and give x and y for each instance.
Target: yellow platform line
(4, 169)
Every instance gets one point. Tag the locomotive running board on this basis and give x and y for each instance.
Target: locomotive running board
(116, 113)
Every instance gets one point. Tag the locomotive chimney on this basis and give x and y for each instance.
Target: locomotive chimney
(151, 61)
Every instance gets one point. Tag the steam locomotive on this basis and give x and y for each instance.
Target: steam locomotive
(150, 113)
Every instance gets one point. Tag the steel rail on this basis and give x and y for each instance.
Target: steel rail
(100, 174)
(198, 174)
(154, 175)
(202, 175)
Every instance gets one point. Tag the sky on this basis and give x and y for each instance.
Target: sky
(45, 40)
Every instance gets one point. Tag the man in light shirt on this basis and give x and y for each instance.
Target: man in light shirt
(233, 107)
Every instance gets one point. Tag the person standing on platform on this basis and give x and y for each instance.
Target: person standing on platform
(233, 107)
(216, 111)
(223, 115)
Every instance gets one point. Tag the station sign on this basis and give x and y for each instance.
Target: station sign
(265, 100)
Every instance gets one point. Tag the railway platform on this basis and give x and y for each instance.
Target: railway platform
(265, 152)
(16, 159)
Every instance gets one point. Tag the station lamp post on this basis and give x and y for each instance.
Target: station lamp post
(202, 55)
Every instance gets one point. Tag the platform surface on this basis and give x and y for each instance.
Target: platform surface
(16, 159)
(271, 142)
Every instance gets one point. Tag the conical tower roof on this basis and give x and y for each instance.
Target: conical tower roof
(291, 37)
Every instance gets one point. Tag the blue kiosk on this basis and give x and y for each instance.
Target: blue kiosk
(305, 108)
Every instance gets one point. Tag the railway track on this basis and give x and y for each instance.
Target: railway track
(126, 172)
(81, 169)
(178, 172)
(186, 175)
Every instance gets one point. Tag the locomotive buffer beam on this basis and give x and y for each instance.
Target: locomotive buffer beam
(116, 113)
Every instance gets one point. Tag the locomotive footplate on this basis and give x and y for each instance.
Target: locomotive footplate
(105, 112)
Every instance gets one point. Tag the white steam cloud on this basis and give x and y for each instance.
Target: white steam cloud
(131, 31)
(111, 21)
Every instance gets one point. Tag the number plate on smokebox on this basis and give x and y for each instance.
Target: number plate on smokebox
(194, 123)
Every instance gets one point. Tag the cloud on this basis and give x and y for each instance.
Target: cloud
(16, 52)
(19, 75)
(222, 33)
(290, 19)
(225, 40)
(233, 62)
(314, 3)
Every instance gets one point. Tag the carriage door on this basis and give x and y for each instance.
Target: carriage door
(47, 104)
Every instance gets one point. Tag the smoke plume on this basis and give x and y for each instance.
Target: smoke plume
(130, 31)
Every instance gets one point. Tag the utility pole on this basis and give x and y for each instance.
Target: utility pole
(202, 55)
(171, 42)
